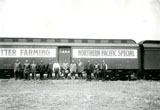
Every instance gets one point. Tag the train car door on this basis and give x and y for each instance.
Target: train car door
(64, 53)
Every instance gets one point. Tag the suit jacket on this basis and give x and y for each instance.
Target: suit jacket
(73, 67)
(26, 68)
(90, 67)
(80, 67)
(42, 67)
(17, 66)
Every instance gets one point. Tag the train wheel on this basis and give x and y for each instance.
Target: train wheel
(117, 76)
(133, 76)
(146, 76)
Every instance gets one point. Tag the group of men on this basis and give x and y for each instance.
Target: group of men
(65, 70)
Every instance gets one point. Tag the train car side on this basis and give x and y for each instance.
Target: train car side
(122, 59)
(122, 56)
(150, 53)
(10, 53)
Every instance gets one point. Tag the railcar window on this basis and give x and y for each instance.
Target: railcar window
(43, 40)
(78, 41)
(71, 41)
(8, 40)
(57, 40)
(84, 41)
(130, 41)
(64, 40)
(15, 40)
(91, 41)
(51, 40)
(36, 40)
(104, 41)
(124, 41)
(22, 40)
(29, 40)
(111, 41)
(97, 41)
(1, 40)
(117, 41)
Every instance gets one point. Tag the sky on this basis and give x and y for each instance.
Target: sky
(98, 19)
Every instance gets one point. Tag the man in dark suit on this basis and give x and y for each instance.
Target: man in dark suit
(96, 70)
(103, 68)
(33, 69)
(27, 70)
(89, 70)
(80, 68)
(41, 70)
(49, 70)
(17, 68)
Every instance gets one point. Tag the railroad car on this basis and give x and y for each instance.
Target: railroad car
(121, 56)
(150, 59)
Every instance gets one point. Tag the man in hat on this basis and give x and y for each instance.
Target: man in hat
(26, 70)
(96, 70)
(89, 70)
(33, 69)
(65, 68)
(73, 68)
(103, 68)
(56, 69)
(80, 68)
(42, 69)
(17, 68)
(49, 70)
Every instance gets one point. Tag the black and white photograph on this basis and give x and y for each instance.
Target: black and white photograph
(79, 54)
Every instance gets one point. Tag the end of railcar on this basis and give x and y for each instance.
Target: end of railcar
(150, 59)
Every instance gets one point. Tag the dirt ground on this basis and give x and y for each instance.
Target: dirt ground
(79, 95)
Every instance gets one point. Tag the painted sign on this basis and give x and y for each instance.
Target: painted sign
(27, 52)
(104, 53)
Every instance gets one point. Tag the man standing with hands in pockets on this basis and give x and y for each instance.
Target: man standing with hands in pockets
(56, 69)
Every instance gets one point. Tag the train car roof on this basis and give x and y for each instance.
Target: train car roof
(70, 40)
(150, 43)
(68, 44)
